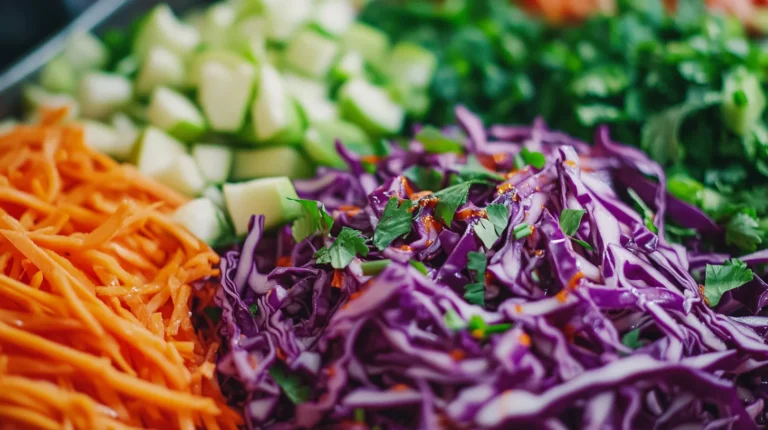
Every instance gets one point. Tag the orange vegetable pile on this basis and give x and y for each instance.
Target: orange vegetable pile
(96, 293)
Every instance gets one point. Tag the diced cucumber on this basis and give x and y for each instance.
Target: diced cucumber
(218, 20)
(320, 142)
(371, 43)
(162, 28)
(174, 113)
(102, 94)
(269, 197)
(214, 161)
(214, 194)
(247, 38)
(84, 52)
(274, 161)
(311, 53)
(274, 115)
(128, 66)
(317, 109)
(334, 16)
(415, 101)
(203, 219)
(155, 150)
(412, 64)
(127, 134)
(298, 86)
(351, 65)
(160, 67)
(58, 76)
(182, 175)
(224, 94)
(228, 59)
(35, 98)
(106, 139)
(283, 18)
(370, 107)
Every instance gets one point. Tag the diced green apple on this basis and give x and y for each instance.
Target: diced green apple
(269, 197)
(203, 219)
(266, 162)
(412, 64)
(217, 22)
(182, 175)
(155, 150)
(214, 161)
(160, 67)
(102, 94)
(162, 28)
(174, 113)
(370, 107)
(58, 76)
(334, 16)
(224, 93)
(311, 53)
(298, 86)
(274, 115)
(371, 43)
(85, 52)
(283, 18)
(106, 139)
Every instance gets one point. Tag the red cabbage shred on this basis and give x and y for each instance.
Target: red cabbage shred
(614, 334)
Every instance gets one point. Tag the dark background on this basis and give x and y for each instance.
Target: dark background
(26, 23)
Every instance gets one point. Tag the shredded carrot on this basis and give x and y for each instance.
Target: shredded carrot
(96, 294)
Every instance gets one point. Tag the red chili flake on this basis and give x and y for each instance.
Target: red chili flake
(338, 278)
(399, 387)
(524, 339)
(350, 210)
(284, 261)
(574, 281)
(458, 354)
(562, 296)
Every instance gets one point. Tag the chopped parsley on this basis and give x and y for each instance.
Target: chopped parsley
(475, 293)
(314, 219)
(449, 200)
(721, 279)
(340, 253)
(434, 141)
(395, 222)
(292, 385)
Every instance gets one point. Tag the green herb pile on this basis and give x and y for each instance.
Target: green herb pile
(687, 88)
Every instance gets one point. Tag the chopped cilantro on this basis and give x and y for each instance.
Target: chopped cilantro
(453, 321)
(720, 279)
(499, 216)
(742, 231)
(418, 265)
(486, 231)
(570, 220)
(449, 199)
(434, 141)
(535, 159)
(425, 178)
(314, 219)
(395, 222)
(372, 268)
(475, 292)
(254, 310)
(480, 329)
(340, 253)
(292, 385)
(632, 339)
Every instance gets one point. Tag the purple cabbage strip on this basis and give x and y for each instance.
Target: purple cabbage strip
(613, 335)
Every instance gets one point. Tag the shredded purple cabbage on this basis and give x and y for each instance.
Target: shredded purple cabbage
(614, 337)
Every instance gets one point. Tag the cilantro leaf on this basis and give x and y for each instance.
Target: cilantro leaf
(449, 199)
(292, 385)
(535, 159)
(486, 231)
(570, 219)
(434, 141)
(720, 279)
(475, 171)
(396, 221)
(585, 245)
(254, 310)
(425, 178)
(419, 266)
(475, 293)
(743, 232)
(632, 339)
(349, 243)
(314, 219)
(498, 215)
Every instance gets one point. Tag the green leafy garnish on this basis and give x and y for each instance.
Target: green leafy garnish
(340, 253)
(585, 245)
(418, 265)
(570, 219)
(475, 293)
(254, 310)
(498, 215)
(314, 219)
(425, 178)
(632, 339)
(359, 415)
(475, 171)
(449, 199)
(535, 159)
(396, 221)
(486, 231)
(742, 231)
(434, 141)
(644, 208)
(372, 268)
(292, 385)
(721, 279)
